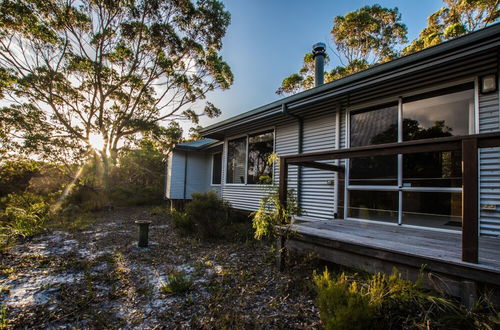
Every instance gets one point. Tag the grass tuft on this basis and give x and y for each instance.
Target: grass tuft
(177, 284)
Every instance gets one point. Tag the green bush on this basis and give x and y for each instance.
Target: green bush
(24, 215)
(208, 217)
(87, 198)
(177, 284)
(15, 175)
(135, 194)
(271, 213)
(343, 304)
(203, 217)
(387, 302)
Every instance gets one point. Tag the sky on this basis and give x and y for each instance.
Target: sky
(267, 40)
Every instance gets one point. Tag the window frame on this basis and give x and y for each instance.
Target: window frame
(246, 135)
(212, 169)
(400, 188)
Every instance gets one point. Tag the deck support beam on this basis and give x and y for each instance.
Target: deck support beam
(321, 166)
(470, 200)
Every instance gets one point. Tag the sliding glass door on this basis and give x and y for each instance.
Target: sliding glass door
(422, 189)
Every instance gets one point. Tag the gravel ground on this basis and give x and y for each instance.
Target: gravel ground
(97, 277)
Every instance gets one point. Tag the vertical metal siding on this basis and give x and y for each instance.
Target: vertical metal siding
(286, 143)
(489, 181)
(175, 189)
(197, 174)
(318, 197)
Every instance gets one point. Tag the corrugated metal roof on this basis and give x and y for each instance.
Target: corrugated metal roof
(378, 70)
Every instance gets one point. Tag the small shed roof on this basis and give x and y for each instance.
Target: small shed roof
(195, 145)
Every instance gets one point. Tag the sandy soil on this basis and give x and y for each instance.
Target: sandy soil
(97, 277)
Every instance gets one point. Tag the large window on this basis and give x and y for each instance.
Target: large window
(368, 127)
(422, 189)
(247, 159)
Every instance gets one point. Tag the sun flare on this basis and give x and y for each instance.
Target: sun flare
(96, 141)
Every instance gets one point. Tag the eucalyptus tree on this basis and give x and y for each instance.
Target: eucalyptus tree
(83, 75)
(456, 18)
(361, 38)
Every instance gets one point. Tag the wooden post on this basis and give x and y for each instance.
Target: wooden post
(283, 194)
(470, 200)
(283, 187)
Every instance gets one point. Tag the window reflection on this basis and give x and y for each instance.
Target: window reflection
(369, 205)
(260, 147)
(433, 209)
(438, 116)
(236, 154)
(374, 126)
(433, 169)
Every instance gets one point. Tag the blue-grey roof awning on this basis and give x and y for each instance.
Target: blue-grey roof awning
(195, 145)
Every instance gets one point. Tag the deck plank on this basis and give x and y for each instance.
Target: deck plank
(434, 245)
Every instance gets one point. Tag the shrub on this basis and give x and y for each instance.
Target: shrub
(271, 213)
(135, 194)
(208, 217)
(88, 198)
(177, 284)
(15, 175)
(387, 302)
(343, 304)
(204, 216)
(24, 216)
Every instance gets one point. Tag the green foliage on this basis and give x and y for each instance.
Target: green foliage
(379, 301)
(369, 34)
(204, 216)
(456, 18)
(343, 304)
(177, 284)
(208, 217)
(271, 213)
(4, 322)
(24, 215)
(114, 69)
(363, 37)
(15, 175)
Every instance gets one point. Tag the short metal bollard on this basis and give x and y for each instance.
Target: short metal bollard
(143, 232)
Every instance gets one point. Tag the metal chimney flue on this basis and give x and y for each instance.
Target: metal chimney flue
(319, 63)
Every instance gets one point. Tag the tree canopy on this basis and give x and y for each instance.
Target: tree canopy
(124, 70)
(456, 18)
(361, 38)
(373, 35)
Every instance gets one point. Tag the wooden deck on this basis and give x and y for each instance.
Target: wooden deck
(379, 247)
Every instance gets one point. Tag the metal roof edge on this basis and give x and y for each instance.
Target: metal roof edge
(471, 38)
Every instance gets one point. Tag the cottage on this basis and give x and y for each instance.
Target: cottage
(396, 165)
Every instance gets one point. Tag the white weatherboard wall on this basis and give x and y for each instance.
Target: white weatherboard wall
(489, 182)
